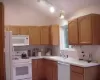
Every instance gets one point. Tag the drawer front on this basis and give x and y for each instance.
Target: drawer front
(77, 69)
(76, 76)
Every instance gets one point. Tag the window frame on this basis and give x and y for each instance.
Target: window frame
(64, 48)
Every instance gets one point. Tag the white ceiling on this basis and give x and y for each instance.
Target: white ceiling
(69, 6)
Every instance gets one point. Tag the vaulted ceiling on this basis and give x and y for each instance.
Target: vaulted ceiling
(69, 6)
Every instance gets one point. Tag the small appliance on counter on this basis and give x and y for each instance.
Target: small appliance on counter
(20, 55)
(35, 52)
(48, 52)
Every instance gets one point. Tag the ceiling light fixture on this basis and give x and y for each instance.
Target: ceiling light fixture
(52, 9)
(62, 13)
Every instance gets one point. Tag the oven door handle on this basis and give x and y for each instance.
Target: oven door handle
(22, 64)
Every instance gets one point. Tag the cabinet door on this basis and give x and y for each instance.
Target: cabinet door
(48, 70)
(73, 32)
(34, 33)
(55, 71)
(76, 76)
(45, 35)
(34, 70)
(41, 70)
(85, 30)
(6, 28)
(24, 30)
(55, 35)
(15, 30)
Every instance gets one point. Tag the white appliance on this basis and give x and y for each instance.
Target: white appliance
(22, 69)
(63, 71)
(20, 40)
(15, 69)
(8, 55)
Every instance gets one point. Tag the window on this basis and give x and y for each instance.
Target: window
(64, 37)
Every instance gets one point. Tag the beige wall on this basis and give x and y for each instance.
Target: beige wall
(85, 11)
(21, 14)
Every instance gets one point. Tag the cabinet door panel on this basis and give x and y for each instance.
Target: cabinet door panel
(55, 35)
(45, 35)
(85, 30)
(34, 33)
(6, 28)
(55, 72)
(41, 70)
(15, 30)
(24, 30)
(73, 32)
(76, 76)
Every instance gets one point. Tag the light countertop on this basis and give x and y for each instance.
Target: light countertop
(69, 60)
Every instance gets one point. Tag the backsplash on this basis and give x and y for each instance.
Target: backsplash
(87, 49)
(30, 47)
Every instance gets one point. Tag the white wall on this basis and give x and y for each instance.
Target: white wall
(19, 14)
(85, 11)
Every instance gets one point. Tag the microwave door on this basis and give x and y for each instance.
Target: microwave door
(20, 40)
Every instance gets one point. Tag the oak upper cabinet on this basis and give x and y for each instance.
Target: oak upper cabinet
(6, 28)
(24, 30)
(73, 32)
(15, 30)
(55, 35)
(34, 34)
(45, 35)
(85, 29)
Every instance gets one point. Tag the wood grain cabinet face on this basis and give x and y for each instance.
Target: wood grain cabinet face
(85, 30)
(51, 70)
(2, 41)
(73, 32)
(45, 35)
(55, 37)
(6, 28)
(34, 70)
(15, 30)
(34, 33)
(76, 76)
(24, 30)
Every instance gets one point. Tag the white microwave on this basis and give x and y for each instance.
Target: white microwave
(20, 40)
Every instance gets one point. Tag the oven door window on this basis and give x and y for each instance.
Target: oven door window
(22, 70)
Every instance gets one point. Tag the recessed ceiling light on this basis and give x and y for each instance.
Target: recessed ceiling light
(52, 9)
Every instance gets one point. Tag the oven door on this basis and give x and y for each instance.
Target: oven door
(22, 71)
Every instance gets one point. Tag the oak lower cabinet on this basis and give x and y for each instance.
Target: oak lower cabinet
(80, 73)
(84, 30)
(43, 69)
(51, 70)
(34, 70)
